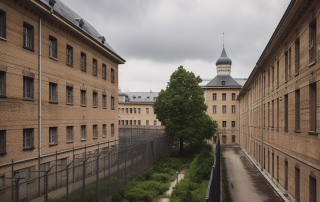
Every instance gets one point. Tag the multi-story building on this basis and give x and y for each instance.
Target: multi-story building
(136, 108)
(280, 105)
(58, 85)
(220, 95)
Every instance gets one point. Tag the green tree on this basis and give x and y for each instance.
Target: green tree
(181, 109)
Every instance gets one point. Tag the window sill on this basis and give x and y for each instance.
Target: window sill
(3, 39)
(94, 106)
(286, 81)
(112, 81)
(83, 139)
(312, 63)
(69, 141)
(53, 58)
(104, 108)
(296, 74)
(313, 133)
(71, 65)
(71, 104)
(30, 49)
(297, 131)
(104, 136)
(286, 130)
(53, 102)
(112, 109)
(3, 153)
(272, 128)
(3, 96)
(83, 105)
(28, 148)
(83, 70)
(95, 138)
(28, 99)
(52, 144)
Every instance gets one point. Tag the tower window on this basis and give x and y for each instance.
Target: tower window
(223, 82)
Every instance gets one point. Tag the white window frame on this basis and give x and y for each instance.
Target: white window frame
(53, 135)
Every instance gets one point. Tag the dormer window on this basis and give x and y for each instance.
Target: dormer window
(81, 22)
(102, 39)
(154, 98)
(223, 82)
(134, 97)
(52, 2)
(139, 96)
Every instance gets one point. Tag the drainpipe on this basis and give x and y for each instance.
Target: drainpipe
(262, 121)
(39, 72)
(239, 121)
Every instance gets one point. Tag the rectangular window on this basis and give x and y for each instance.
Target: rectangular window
(286, 111)
(69, 95)
(224, 96)
(135, 110)
(2, 141)
(297, 109)
(312, 189)
(297, 183)
(112, 130)
(312, 42)
(53, 136)
(28, 88)
(297, 56)
(233, 109)
(83, 132)
(112, 103)
(112, 75)
(147, 122)
(289, 63)
(272, 116)
(233, 124)
(134, 122)
(95, 99)
(122, 110)
(139, 111)
(214, 96)
(286, 170)
(214, 109)
(28, 138)
(130, 122)
(126, 110)
(233, 96)
(130, 110)
(104, 130)
(28, 35)
(69, 133)
(69, 55)
(224, 109)
(104, 71)
(278, 111)
(94, 131)
(104, 102)
(2, 24)
(278, 74)
(127, 122)
(83, 62)
(269, 89)
(313, 107)
(268, 111)
(233, 138)
(147, 110)
(53, 95)
(83, 98)
(139, 122)
(272, 78)
(155, 122)
(94, 67)
(286, 66)
(52, 47)
(224, 124)
(2, 83)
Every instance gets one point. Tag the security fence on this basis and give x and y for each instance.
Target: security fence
(213, 191)
(90, 175)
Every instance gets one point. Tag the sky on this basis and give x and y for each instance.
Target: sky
(155, 37)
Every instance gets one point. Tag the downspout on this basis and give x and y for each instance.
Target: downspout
(262, 121)
(39, 72)
(239, 121)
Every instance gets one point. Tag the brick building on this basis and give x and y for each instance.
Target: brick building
(58, 85)
(280, 104)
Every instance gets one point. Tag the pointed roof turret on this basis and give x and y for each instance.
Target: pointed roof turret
(224, 60)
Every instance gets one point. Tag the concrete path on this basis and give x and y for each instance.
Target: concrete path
(246, 183)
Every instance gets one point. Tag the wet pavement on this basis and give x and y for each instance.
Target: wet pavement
(246, 183)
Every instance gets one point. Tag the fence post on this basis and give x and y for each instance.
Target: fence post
(131, 163)
(67, 170)
(109, 172)
(17, 189)
(56, 169)
(125, 165)
(46, 187)
(84, 182)
(97, 179)
(118, 168)
(12, 174)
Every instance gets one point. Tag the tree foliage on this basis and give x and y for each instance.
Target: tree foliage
(181, 108)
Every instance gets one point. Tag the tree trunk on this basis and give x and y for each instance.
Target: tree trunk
(181, 147)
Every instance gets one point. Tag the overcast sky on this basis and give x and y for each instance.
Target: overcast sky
(155, 37)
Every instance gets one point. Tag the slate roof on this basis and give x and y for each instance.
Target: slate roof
(73, 18)
(229, 81)
(141, 97)
(224, 60)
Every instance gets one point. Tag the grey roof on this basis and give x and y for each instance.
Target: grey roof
(241, 81)
(217, 81)
(224, 60)
(75, 19)
(141, 97)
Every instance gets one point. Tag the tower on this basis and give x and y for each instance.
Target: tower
(223, 64)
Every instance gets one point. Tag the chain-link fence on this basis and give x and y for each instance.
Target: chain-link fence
(89, 175)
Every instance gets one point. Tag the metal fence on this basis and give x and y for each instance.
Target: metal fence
(91, 175)
(213, 191)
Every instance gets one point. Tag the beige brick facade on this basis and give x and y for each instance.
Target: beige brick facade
(280, 105)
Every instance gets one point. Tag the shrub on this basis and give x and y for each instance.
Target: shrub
(139, 195)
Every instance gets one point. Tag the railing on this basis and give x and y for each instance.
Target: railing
(213, 191)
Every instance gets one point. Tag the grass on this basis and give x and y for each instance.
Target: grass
(225, 183)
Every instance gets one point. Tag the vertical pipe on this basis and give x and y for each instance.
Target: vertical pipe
(262, 121)
(12, 174)
(39, 84)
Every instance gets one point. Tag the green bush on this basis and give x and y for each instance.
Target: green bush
(160, 177)
(138, 194)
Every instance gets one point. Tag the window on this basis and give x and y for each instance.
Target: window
(297, 56)
(53, 136)
(95, 131)
(130, 110)
(286, 108)
(278, 74)
(224, 96)
(134, 122)
(214, 96)
(122, 122)
(233, 109)
(104, 102)
(312, 42)
(95, 99)
(312, 189)
(127, 122)
(223, 82)
(147, 122)
(289, 63)
(224, 109)
(83, 98)
(272, 116)
(83, 132)
(27, 88)
(28, 138)
(214, 109)
(104, 130)
(94, 67)
(224, 124)
(69, 95)
(52, 47)
(278, 109)
(139, 111)
(104, 71)
(155, 122)
(2, 83)
(28, 36)
(147, 110)
(83, 62)
(112, 130)
(297, 109)
(126, 110)
(53, 96)
(233, 96)
(112, 75)
(155, 99)
(69, 55)
(286, 66)
(122, 110)
(2, 141)
(313, 107)
(69, 133)
(139, 122)
(135, 110)
(2, 24)
(112, 103)
(233, 124)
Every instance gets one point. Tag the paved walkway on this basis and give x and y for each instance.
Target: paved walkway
(246, 183)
